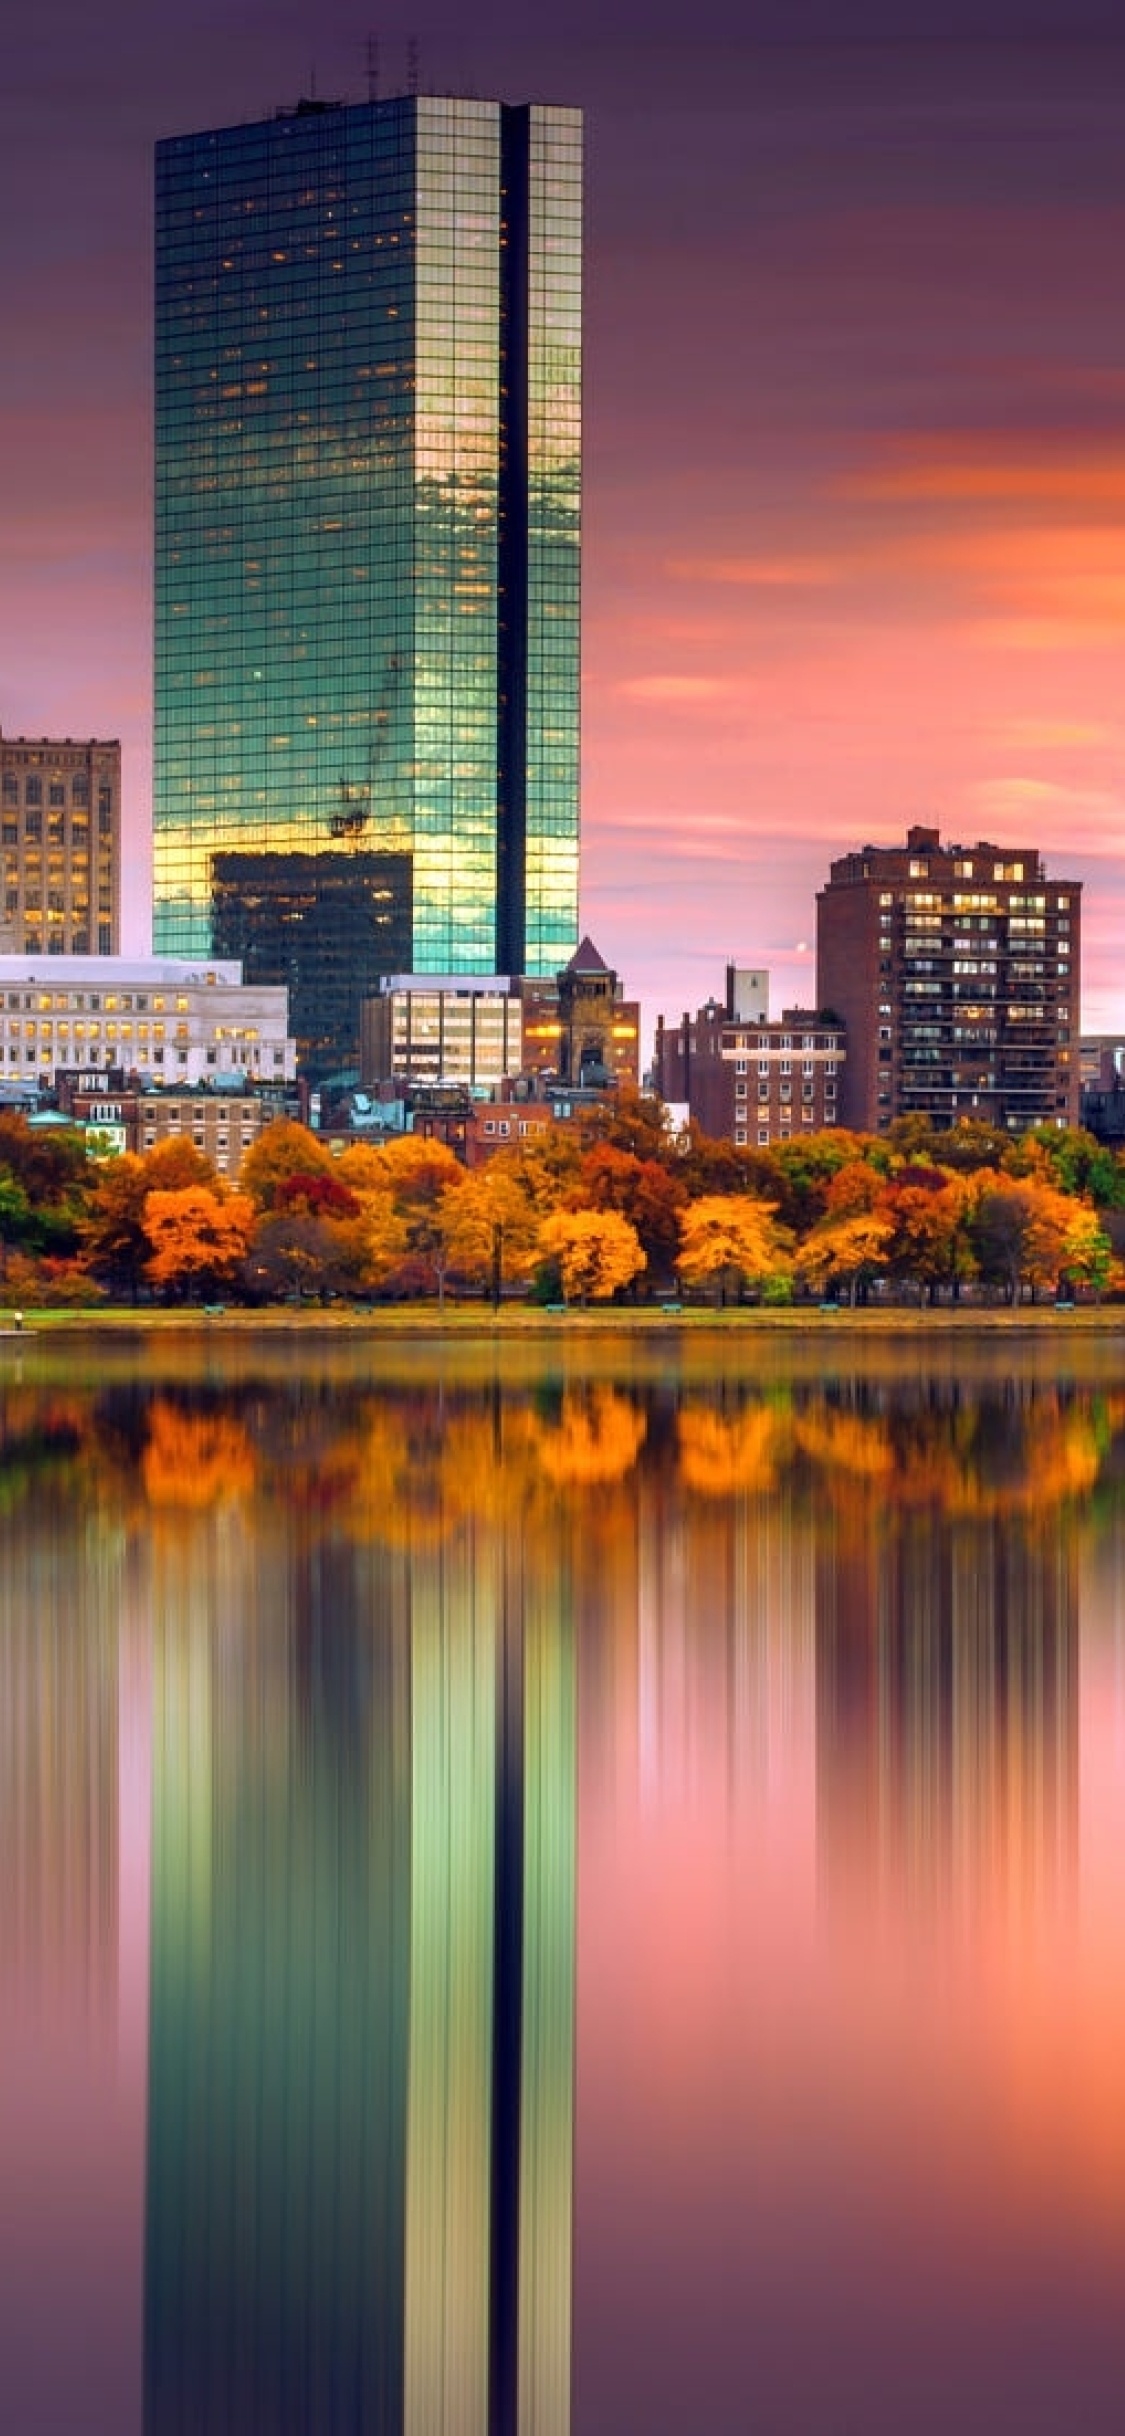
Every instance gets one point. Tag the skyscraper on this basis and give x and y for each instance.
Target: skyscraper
(367, 515)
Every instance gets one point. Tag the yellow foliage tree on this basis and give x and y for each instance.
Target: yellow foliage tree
(730, 1235)
(284, 1149)
(846, 1248)
(598, 1252)
(491, 1225)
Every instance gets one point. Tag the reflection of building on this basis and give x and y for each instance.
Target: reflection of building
(367, 513)
(326, 926)
(169, 1021)
(956, 971)
(361, 2059)
(746, 1079)
(947, 1713)
(60, 831)
(280, 1955)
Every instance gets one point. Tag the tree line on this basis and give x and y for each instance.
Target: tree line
(613, 1208)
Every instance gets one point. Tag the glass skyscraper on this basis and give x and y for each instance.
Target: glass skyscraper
(368, 383)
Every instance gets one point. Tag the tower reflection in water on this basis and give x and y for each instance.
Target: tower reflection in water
(361, 2046)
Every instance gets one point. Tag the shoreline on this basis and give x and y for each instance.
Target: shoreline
(476, 1321)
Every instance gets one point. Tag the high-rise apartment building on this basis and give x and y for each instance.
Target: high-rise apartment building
(956, 970)
(60, 838)
(367, 517)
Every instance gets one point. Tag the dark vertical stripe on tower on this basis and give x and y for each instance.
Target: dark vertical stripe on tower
(511, 756)
(507, 2037)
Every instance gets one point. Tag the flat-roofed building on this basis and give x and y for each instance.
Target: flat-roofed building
(957, 971)
(442, 1029)
(222, 1124)
(167, 1020)
(745, 1078)
(60, 843)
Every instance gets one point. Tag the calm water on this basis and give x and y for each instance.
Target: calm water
(542, 1898)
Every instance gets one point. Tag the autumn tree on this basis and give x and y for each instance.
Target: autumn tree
(597, 1252)
(628, 1119)
(199, 1239)
(646, 1192)
(726, 1238)
(419, 1173)
(1020, 1234)
(931, 1211)
(282, 1150)
(848, 1250)
(1071, 1159)
(491, 1224)
(797, 1174)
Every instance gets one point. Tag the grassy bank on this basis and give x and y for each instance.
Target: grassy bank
(521, 1320)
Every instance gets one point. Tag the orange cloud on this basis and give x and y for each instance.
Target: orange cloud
(677, 691)
(769, 573)
(941, 470)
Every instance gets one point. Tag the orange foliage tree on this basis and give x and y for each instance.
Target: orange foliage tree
(597, 1252)
(199, 1239)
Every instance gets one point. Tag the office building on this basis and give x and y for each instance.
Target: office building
(166, 1020)
(367, 516)
(956, 970)
(324, 926)
(60, 833)
(442, 1031)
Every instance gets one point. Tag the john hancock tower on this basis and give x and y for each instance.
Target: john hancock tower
(368, 393)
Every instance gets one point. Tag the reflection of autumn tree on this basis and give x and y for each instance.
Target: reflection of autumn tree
(597, 1252)
(722, 1453)
(853, 1443)
(597, 1438)
(196, 1459)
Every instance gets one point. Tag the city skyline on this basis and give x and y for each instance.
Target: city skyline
(854, 475)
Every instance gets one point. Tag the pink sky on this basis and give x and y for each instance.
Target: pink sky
(855, 495)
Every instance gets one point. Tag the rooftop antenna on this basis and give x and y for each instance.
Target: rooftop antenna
(412, 64)
(372, 67)
(312, 82)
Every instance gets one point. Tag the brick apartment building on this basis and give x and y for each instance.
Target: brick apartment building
(956, 970)
(747, 1078)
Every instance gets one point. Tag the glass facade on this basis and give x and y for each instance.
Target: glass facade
(367, 500)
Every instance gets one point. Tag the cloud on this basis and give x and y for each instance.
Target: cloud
(770, 574)
(679, 692)
(951, 470)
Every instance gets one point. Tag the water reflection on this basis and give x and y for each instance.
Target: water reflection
(305, 1686)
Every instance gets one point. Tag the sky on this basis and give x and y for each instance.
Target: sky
(854, 533)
